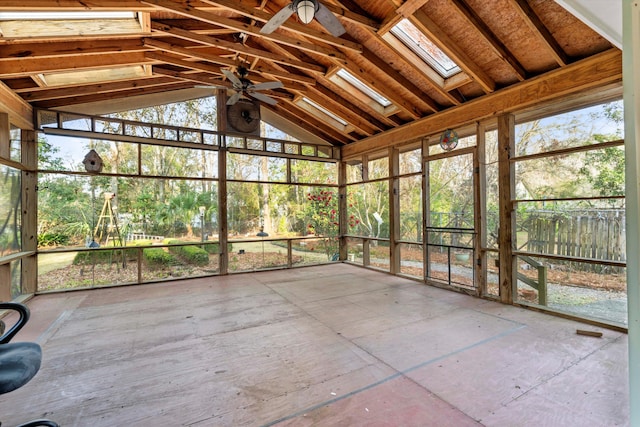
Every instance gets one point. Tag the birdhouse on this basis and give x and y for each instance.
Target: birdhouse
(92, 162)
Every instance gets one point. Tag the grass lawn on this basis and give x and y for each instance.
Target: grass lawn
(50, 262)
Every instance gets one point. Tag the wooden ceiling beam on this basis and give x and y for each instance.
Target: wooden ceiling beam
(409, 7)
(378, 119)
(311, 120)
(28, 66)
(291, 25)
(84, 5)
(65, 48)
(533, 21)
(180, 61)
(41, 94)
(193, 76)
(195, 53)
(109, 96)
(335, 98)
(395, 97)
(297, 121)
(498, 47)
(422, 21)
(354, 15)
(191, 12)
(404, 11)
(234, 47)
(420, 98)
(341, 111)
(596, 71)
(436, 81)
(20, 112)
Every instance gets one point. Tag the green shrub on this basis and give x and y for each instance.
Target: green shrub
(190, 254)
(195, 255)
(103, 257)
(159, 257)
(52, 239)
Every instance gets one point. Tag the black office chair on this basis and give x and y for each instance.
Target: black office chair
(19, 362)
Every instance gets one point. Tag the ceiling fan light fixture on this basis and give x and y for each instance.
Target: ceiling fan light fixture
(306, 10)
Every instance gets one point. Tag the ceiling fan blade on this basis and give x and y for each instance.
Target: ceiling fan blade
(329, 21)
(277, 19)
(266, 86)
(264, 98)
(234, 98)
(232, 78)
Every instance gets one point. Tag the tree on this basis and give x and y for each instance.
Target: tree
(321, 212)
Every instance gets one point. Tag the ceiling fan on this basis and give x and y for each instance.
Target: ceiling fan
(306, 10)
(244, 88)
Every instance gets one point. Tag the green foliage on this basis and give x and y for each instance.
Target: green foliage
(104, 256)
(53, 239)
(212, 248)
(604, 169)
(194, 255)
(158, 256)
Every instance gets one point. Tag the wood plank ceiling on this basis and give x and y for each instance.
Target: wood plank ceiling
(180, 44)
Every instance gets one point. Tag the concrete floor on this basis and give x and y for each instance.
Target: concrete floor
(331, 345)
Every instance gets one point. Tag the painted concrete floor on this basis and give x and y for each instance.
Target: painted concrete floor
(331, 345)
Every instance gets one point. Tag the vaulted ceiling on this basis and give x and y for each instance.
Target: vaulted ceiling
(399, 63)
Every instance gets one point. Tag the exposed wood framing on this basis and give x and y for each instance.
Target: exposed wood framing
(498, 47)
(29, 204)
(453, 51)
(20, 113)
(596, 71)
(533, 21)
(506, 191)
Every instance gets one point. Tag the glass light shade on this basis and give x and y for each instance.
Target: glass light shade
(306, 11)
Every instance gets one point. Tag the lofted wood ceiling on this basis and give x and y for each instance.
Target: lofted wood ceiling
(178, 45)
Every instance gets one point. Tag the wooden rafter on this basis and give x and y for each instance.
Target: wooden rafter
(348, 115)
(312, 120)
(420, 98)
(235, 25)
(109, 96)
(234, 47)
(41, 94)
(533, 21)
(453, 51)
(28, 66)
(68, 48)
(498, 47)
(216, 59)
(301, 29)
(596, 71)
(396, 98)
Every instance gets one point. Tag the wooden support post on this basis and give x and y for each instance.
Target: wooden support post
(5, 282)
(480, 209)
(426, 208)
(506, 191)
(394, 210)
(542, 285)
(29, 150)
(223, 228)
(5, 136)
(342, 208)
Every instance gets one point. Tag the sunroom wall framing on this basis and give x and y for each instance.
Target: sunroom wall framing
(574, 91)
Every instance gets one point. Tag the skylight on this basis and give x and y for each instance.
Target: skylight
(415, 40)
(355, 82)
(60, 24)
(93, 76)
(57, 16)
(325, 111)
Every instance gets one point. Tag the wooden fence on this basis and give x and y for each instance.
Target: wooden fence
(595, 234)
